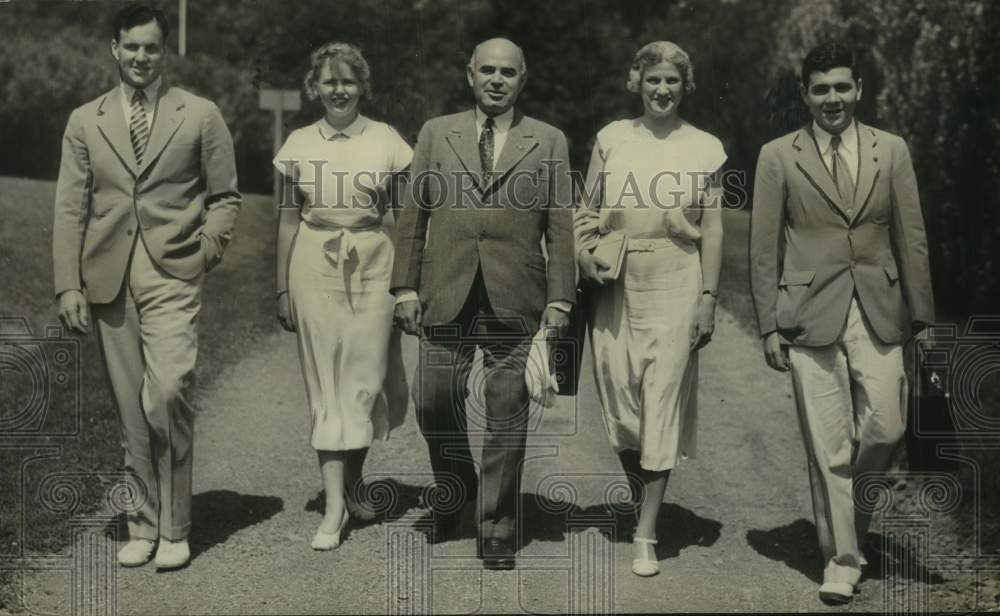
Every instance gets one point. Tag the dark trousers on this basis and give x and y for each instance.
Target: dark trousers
(497, 405)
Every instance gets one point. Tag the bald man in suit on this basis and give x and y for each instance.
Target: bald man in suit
(488, 185)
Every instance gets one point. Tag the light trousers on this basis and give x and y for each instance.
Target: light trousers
(851, 402)
(149, 341)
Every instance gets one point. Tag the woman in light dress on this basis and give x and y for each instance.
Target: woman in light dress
(656, 178)
(334, 259)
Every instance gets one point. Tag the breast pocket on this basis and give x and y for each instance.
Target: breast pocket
(180, 162)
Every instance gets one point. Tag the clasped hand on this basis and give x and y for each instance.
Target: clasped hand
(594, 268)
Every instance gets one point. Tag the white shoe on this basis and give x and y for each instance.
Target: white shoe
(172, 554)
(136, 553)
(324, 541)
(862, 561)
(647, 565)
(836, 593)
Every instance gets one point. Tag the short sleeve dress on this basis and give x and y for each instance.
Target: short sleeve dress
(641, 322)
(338, 280)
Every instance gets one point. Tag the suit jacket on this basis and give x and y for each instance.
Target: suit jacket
(182, 200)
(810, 250)
(454, 221)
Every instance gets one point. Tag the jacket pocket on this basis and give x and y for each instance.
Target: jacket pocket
(891, 272)
(791, 279)
(793, 289)
(537, 262)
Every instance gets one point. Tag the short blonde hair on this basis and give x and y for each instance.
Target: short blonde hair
(332, 52)
(657, 53)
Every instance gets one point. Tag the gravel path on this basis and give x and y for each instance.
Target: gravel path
(735, 535)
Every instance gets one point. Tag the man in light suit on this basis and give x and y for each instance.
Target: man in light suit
(145, 204)
(838, 265)
(487, 185)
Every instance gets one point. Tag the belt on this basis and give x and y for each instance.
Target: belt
(341, 241)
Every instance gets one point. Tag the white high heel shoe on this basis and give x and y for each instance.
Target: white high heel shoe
(324, 541)
(645, 566)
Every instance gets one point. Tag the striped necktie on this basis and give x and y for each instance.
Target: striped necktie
(841, 174)
(138, 126)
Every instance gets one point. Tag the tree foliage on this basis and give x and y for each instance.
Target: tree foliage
(929, 70)
(928, 66)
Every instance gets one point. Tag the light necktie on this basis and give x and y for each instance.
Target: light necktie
(138, 126)
(486, 146)
(841, 172)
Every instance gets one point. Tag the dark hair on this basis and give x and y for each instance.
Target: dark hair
(136, 15)
(828, 56)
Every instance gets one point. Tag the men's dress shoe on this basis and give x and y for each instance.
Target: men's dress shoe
(136, 553)
(497, 554)
(172, 554)
(646, 565)
(836, 593)
(324, 541)
(446, 527)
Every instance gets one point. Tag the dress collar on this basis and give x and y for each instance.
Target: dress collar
(848, 138)
(501, 122)
(151, 91)
(354, 129)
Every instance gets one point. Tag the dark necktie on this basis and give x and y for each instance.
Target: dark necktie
(841, 173)
(486, 146)
(138, 127)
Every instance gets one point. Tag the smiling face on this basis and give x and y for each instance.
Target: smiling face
(831, 97)
(139, 52)
(496, 75)
(662, 89)
(339, 89)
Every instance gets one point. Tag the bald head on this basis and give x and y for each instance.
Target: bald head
(498, 46)
(496, 74)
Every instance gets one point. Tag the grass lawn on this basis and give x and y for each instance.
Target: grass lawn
(237, 312)
(734, 280)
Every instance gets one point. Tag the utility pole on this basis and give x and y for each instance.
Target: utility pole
(182, 27)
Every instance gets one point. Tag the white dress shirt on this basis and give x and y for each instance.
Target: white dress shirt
(848, 147)
(501, 127)
(152, 93)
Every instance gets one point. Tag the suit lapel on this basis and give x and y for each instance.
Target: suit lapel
(519, 142)
(168, 118)
(812, 166)
(462, 140)
(114, 128)
(868, 169)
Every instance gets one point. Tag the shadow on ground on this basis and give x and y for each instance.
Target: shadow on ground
(216, 515)
(795, 545)
(676, 527)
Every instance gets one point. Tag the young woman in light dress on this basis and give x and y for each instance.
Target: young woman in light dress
(656, 178)
(334, 259)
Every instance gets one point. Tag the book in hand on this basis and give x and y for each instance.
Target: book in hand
(611, 249)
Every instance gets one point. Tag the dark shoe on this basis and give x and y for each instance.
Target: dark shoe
(497, 554)
(445, 528)
(449, 526)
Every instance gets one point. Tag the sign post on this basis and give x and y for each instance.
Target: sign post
(278, 101)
